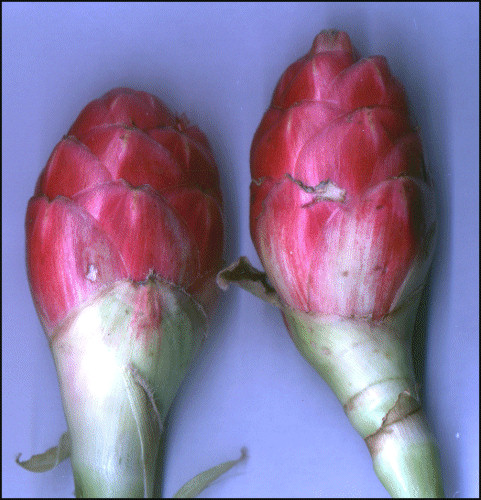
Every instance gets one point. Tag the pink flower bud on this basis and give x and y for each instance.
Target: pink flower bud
(342, 217)
(342, 212)
(131, 191)
(124, 239)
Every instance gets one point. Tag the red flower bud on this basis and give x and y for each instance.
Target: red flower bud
(342, 217)
(341, 208)
(124, 239)
(131, 191)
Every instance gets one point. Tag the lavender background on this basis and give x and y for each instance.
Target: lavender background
(219, 63)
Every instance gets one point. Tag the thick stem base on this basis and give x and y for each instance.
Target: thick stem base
(368, 365)
(120, 361)
(404, 455)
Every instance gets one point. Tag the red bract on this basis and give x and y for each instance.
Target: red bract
(341, 208)
(131, 191)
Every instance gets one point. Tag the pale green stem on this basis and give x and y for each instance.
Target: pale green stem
(53, 456)
(368, 366)
(120, 361)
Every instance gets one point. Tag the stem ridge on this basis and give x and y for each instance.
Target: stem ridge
(146, 423)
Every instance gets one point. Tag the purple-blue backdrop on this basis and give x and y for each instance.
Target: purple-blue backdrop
(219, 63)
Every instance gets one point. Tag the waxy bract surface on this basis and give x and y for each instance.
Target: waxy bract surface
(341, 207)
(130, 191)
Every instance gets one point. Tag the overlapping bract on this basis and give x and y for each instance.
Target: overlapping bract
(132, 191)
(341, 208)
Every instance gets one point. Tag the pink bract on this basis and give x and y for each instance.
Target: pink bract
(131, 191)
(341, 206)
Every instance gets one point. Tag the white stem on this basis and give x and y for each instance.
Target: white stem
(368, 365)
(120, 360)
